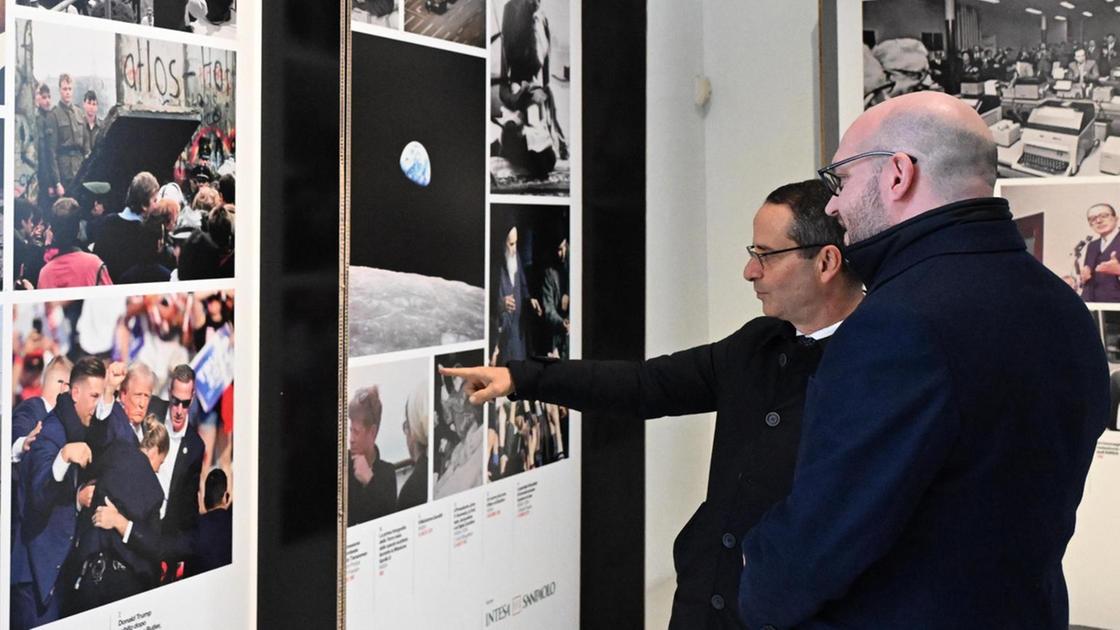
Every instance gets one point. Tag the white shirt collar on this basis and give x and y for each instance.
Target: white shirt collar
(174, 435)
(1107, 239)
(823, 333)
(128, 215)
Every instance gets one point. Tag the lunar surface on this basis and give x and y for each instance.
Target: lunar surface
(392, 311)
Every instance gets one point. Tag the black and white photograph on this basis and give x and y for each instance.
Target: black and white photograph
(385, 13)
(530, 97)
(202, 17)
(418, 197)
(125, 159)
(389, 420)
(1071, 227)
(530, 299)
(134, 396)
(460, 21)
(1046, 79)
(457, 436)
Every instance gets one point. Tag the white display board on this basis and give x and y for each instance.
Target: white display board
(176, 94)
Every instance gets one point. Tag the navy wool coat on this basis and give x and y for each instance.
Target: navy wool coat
(947, 435)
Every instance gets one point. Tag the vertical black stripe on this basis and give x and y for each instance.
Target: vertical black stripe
(614, 236)
(299, 304)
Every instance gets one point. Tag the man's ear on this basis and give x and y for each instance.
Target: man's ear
(829, 261)
(901, 174)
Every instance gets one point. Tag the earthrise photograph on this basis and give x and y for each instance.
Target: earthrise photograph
(418, 204)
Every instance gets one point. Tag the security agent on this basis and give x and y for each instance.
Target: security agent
(754, 380)
(119, 545)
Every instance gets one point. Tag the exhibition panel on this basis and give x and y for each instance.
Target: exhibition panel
(130, 292)
(463, 244)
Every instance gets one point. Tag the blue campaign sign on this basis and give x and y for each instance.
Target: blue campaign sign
(213, 369)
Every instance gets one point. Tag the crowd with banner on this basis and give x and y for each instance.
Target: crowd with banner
(122, 430)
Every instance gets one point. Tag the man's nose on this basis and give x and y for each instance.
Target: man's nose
(753, 270)
(832, 209)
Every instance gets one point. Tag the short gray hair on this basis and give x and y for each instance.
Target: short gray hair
(953, 158)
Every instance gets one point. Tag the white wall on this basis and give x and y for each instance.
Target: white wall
(706, 175)
(676, 278)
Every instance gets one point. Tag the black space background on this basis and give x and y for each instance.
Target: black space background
(404, 92)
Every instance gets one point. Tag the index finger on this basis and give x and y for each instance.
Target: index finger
(463, 372)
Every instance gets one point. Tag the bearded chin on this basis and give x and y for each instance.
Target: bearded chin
(871, 218)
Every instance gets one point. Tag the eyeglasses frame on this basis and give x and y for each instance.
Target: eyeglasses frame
(832, 181)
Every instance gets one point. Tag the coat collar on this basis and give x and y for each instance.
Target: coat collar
(963, 227)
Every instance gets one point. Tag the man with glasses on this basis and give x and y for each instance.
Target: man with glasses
(754, 380)
(905, 63)
(180, 475)
(950, 426)
(1100, 274)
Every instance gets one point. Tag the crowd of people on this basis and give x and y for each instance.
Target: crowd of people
(113, 493)
(180, 15)
(373, 489)
(160, 331)
(64, 238)
(524, 435)
(902, 65)
(532, 306)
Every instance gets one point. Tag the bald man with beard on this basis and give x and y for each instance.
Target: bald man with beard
(950, 426)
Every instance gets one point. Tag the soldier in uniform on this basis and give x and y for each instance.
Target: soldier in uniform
(46, 169)
(92, 123)
(70, 137)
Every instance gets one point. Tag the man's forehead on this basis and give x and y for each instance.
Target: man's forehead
(771, 226)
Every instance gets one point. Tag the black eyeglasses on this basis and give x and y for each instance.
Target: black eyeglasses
(761, 256)
(827, 174)
(179, 402)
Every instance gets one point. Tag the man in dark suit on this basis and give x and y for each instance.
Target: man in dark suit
(27, 422)
(754, 380)
(51, 490)
(180, 475)
(215, 527)
(118, 547)
(1106, 59)
(1100, 274)
(934, 486)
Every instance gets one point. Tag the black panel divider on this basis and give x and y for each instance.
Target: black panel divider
(299, 389)
(612, 567)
